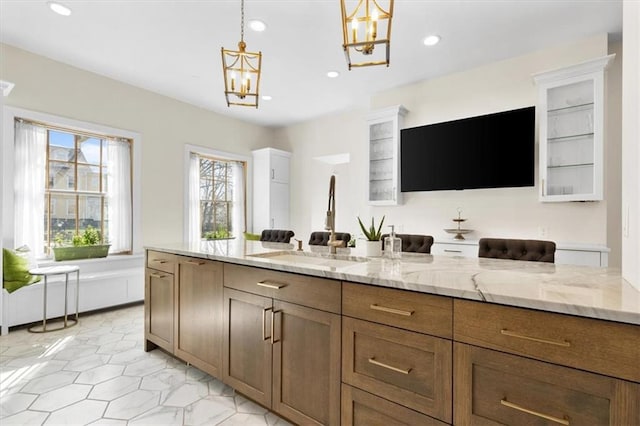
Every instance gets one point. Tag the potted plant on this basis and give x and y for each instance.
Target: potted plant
(373, 246)
(87, 245)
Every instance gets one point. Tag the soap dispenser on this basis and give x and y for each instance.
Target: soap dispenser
(392, 244)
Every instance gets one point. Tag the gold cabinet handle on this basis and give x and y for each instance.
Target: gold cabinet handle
(195, 262)
(264, 321)
(157, 275)
(391, 310)
(535, 413)
(388, 367)
(273, 327)
(269, 284)
(506, 332)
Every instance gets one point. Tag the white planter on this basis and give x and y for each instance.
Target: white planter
(372, 248)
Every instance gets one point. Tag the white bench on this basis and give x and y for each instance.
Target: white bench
(116, 280)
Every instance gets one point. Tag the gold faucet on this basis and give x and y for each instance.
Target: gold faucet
(330, 221)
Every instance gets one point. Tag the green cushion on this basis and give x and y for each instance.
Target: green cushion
(15, 271)
(251, 237)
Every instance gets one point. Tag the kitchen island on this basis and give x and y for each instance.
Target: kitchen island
(340, 339)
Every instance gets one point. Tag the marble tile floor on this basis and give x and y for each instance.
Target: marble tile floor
(97, 373)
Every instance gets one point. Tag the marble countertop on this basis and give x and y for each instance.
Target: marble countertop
(576, 290)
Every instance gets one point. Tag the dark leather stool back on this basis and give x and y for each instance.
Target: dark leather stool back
(413, 243)
(533, 250)
(277, 235)
(322, 238)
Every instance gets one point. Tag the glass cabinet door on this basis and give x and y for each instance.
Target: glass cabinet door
(571, 136)
(384, 156)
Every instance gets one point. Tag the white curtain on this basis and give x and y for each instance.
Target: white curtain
(238, 223)
(193, 219)
(29, 184)
(119, 195)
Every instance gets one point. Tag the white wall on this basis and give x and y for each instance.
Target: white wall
(514, 212)
(631, 143)
(165, 124)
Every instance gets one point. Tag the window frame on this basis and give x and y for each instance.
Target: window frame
(10, 114)
(222, 156)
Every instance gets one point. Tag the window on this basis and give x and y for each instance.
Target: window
(216, 204)
(87, 182)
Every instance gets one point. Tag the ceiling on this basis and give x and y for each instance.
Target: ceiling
(173, 47)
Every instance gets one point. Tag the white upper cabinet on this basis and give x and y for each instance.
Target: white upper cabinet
(570, 110)
(270, 189)
(384, 155)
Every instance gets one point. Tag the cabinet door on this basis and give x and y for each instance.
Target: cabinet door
(279, 168)
(198, 323)
(571, 119)
(306, 364)
(493, 388)
(384, 156)
(360, 408)
(247, 354)
(158, 306)
(279, 206)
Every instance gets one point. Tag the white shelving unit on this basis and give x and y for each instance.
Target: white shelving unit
(270, 189)
(570, 111)
(384, 155)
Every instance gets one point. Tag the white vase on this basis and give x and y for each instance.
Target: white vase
(372, 248)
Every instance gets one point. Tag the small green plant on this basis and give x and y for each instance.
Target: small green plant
(89, 237)
(372, 233)
(219, 234)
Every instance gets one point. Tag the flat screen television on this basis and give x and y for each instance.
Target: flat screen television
(488, 151)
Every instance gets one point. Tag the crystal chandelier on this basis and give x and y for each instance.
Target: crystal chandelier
(241, 71)
(363, 29)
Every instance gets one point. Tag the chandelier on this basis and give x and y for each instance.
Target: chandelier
(241, 71)
(363, 29)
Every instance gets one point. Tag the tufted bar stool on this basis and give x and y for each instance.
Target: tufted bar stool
(322, 238)
(532, 250)
(277, 235)
(413, 243)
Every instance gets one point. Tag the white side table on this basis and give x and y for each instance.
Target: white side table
(57, 270)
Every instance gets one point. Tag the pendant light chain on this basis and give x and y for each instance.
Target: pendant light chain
(241, 20)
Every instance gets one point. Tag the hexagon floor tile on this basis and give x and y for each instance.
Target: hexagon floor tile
(97, 373)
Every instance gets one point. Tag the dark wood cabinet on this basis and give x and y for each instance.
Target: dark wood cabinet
(159, 301)
(198, 320)
(494, 388)
(283, 355)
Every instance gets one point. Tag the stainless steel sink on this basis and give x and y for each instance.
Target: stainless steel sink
(312, 259)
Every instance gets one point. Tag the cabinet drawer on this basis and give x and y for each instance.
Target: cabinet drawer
(360, 408)
(493, 388)
(161, 261)
(595, 345)
(409, 310)
(452, 249)
(409, 368)
(318, 293)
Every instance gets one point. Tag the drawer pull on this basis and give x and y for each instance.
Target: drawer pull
(535, 413)
(272, 285)
(391, 310)
(506, 332)
(452, 251)
(264, 321)
(388, 367)
(195, 262)
(160, 261)
(157, 275)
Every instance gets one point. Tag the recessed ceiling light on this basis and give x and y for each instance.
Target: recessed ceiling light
(266, 98)
(431, 40)
(59, 8)
(333, 74)
(257, 25)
